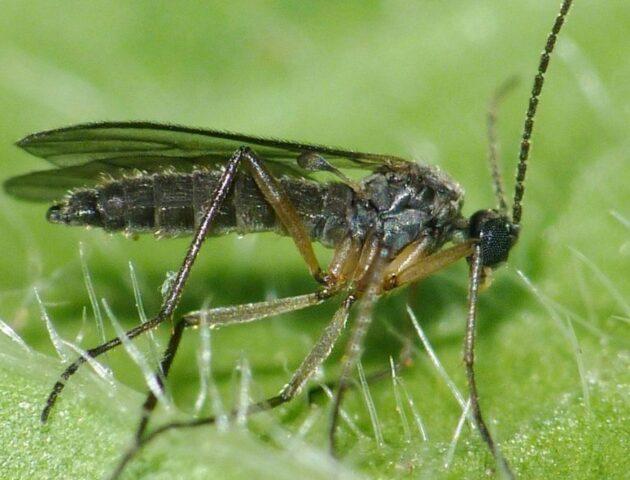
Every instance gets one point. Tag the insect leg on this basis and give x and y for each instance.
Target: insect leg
(320, 351)
(307, 368)
(160, 376)
(344, 255)
(175, 290)
(344, 260)
(369, 270)
(412, 264)
(405, 359)
(284, 209)
(249, 312)
(425, 266)
(350, 359)
(469, 360)
(214, 317)
(222, 316)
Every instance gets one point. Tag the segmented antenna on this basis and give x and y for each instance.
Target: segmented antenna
(539, 79)
(493, 143)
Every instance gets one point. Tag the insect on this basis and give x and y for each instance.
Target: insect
(399, 224)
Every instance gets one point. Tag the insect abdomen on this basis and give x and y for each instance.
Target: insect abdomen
(172, 203)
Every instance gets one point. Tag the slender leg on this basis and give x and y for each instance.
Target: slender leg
(175, 291)
(319, 353)
(423, 266)
(469, 360)
(249, 312)
(409, 256)
(344, 260)
(351, 357)
(222, 316)
(405, 360)
(160, 376)
(370, 269)
(246, 313)
(284, 209)
(410, 265)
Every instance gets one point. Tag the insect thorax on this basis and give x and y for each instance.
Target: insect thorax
(419, 202)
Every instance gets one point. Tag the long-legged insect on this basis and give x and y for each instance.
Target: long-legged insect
(390, 229)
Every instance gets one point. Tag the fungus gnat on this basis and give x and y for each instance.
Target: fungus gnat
(397, 225)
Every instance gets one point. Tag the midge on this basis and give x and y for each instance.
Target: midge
(396, 226)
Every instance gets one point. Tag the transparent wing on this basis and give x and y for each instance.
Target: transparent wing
(83, 152)
(79, 144)
(49, 185)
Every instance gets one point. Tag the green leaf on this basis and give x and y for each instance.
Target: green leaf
(407, 78)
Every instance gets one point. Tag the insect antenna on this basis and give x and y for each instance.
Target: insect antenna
(528, 127)
(493, 143)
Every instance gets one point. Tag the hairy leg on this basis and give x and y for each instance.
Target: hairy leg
(318, 354)
(368, 278)
(283, 208)
(222, 316)
(176, 289)
(403, 361)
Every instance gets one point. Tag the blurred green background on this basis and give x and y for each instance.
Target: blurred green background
(408, 78)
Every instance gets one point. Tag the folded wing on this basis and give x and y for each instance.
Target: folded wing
(82, 153)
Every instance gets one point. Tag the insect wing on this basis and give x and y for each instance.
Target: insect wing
(82, 152)
(49, 185)
(79, 144)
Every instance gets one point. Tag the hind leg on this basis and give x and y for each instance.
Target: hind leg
(175, 291)
(222, 316)
(318, 354)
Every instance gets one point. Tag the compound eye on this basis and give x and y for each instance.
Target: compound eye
(496, 236)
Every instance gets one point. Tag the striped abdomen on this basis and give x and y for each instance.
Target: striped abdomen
(172, 203)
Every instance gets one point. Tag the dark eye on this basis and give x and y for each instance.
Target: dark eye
(496, 236)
